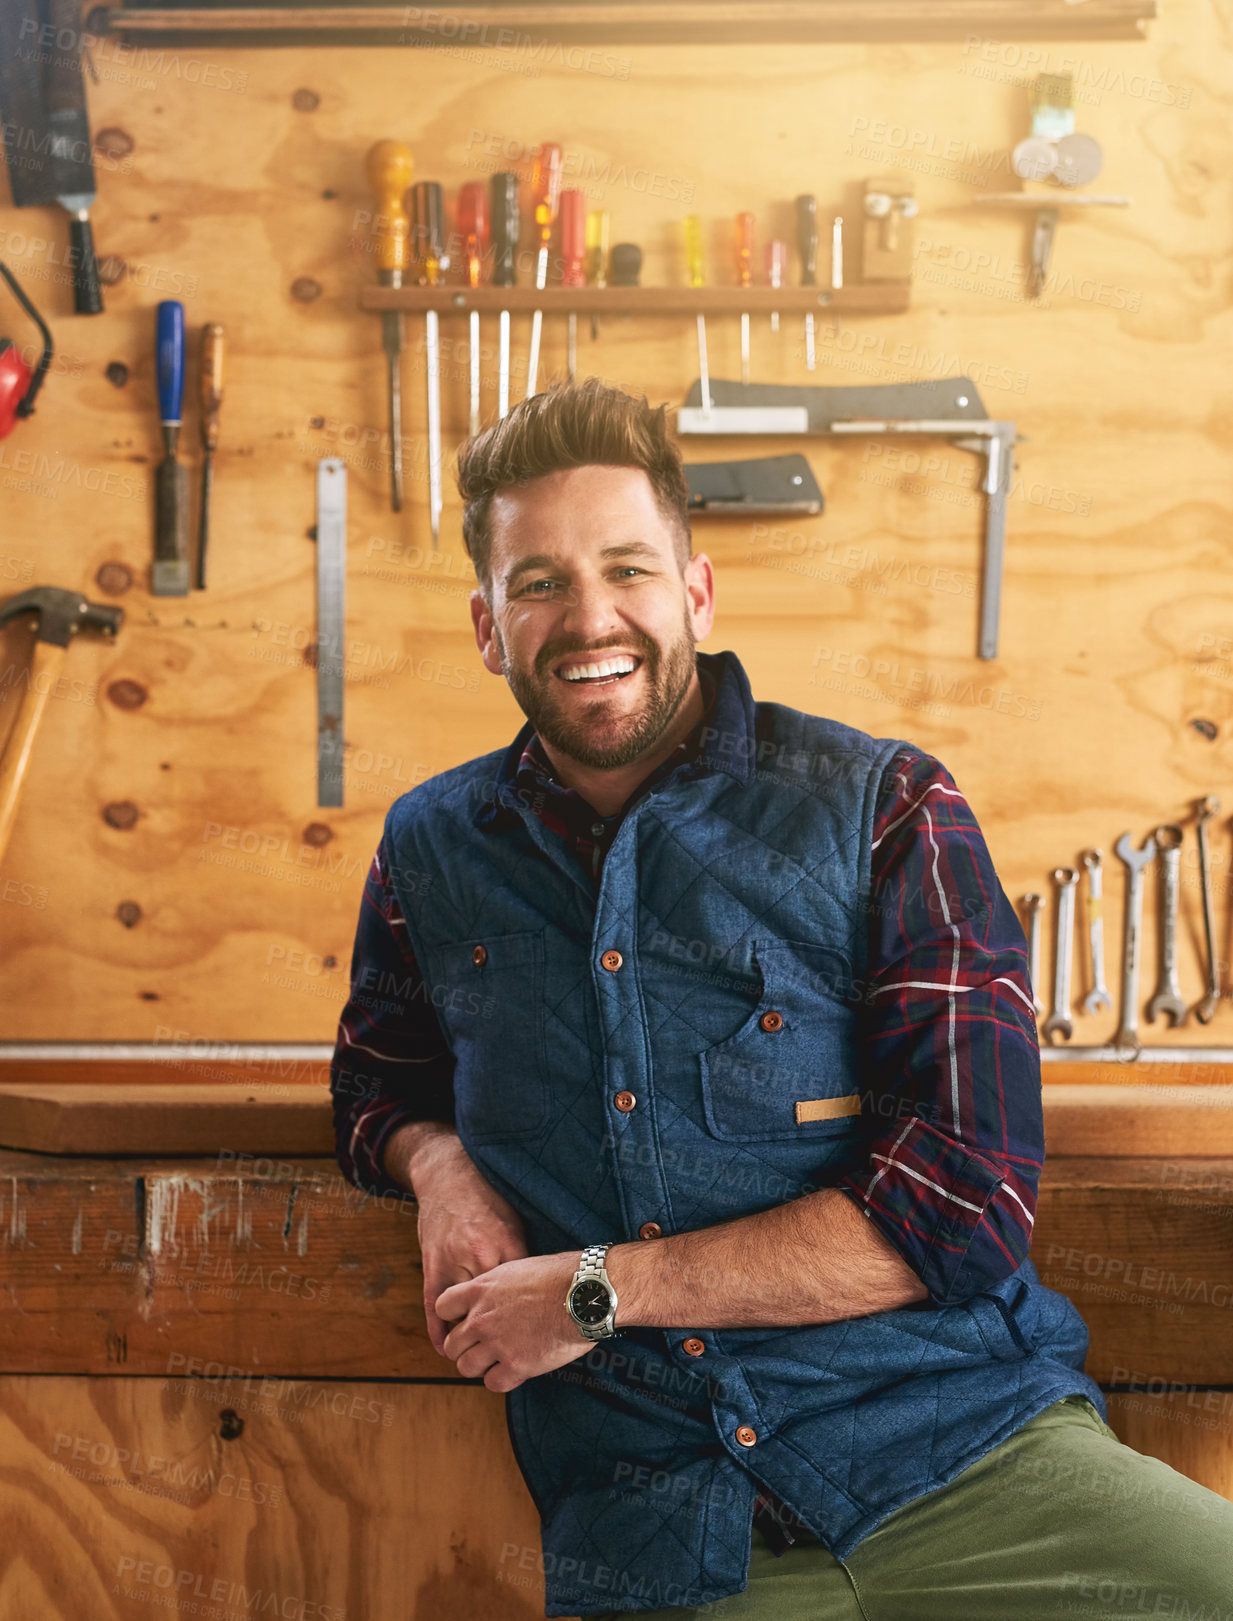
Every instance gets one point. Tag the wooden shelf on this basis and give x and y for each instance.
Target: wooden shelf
(642, 22)
(871, 298)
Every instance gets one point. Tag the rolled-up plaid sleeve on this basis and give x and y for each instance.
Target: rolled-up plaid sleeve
(391, 1063)
(950, 1057)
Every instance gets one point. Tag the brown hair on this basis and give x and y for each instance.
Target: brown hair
(585, 424)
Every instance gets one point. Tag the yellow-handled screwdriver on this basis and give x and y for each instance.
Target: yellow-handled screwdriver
(598, 229)
(390, 166)
(211, 401)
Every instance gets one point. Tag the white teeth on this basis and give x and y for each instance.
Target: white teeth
(618, 666)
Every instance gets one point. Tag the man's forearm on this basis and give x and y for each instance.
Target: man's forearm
(813, 1260)
(409, 1149)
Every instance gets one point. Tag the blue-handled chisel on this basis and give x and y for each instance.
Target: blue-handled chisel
(170, 573)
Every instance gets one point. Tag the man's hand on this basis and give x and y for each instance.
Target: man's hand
(514, 1323)
(465, 1226)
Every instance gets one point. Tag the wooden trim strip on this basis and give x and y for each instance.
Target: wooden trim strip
(634, 22)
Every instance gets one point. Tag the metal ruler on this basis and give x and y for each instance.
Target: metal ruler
(331, 625)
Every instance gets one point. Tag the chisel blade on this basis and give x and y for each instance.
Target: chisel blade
(170, 573)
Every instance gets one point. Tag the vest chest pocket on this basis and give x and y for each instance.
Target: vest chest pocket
(789, 1073)
(490, 1000)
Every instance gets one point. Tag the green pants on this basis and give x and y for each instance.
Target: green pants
(1061, 1519)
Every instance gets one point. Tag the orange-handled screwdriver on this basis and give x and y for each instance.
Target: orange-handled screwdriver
(390, 166)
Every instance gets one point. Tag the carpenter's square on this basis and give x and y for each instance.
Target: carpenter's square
(946, 408)
(331, 625)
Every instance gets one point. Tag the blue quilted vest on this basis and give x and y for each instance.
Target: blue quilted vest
(735, 884)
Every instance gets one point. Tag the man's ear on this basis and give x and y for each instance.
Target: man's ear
(482, 620)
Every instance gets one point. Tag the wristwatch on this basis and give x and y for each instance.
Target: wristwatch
(592, 1301)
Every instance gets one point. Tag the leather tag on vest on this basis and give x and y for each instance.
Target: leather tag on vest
(827, 1108)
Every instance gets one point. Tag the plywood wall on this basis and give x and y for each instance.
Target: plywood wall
(171, 870)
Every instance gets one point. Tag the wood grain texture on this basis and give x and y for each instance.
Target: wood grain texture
(170, 870)
(341, 1500)
(168, 1117)
(161, 1266)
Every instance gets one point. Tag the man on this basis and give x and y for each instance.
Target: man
(713, 1069)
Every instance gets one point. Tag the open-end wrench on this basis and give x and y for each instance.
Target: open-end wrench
(1132, 926)
(1098, 997)
(1059, 1021)
(1034, 903)
(1168, 998)
(1206, 1009)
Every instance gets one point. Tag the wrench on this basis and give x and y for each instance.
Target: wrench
(1206, 1010)
(1135, 860)
(1059, 1021)
(1168, 997)
(1098, 997)
(1034, 904)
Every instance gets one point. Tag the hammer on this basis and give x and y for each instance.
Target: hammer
(57, 616)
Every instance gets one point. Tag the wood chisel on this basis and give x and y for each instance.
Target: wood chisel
(331, 625)
(170, 574)
(389, 166)
(505, 225)
(473, 227)
(211, 401)
(426, 250)
(545, 190)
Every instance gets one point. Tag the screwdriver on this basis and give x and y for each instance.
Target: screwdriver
(504, 273)
(473, 225)
(776, 263)
(807, 247)
(427, 253)
(693, 258)
(389, 166)
(211, 400)
(744, 276)
(573, 254)
(545, 189)
(170, 573)
(598, 227)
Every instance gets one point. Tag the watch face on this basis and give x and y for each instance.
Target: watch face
(590, 1302)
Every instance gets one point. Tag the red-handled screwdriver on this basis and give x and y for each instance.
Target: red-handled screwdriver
(473, 228)
(545, 191)
(573, 260)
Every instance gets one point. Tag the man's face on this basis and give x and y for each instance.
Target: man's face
(584, 574)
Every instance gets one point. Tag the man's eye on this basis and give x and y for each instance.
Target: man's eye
(548, 585)
(628, 568)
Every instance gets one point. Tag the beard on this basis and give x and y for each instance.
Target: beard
(599, 738)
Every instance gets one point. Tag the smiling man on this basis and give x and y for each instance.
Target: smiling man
(713, 1069)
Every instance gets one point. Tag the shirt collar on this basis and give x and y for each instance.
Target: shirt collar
(722, 741)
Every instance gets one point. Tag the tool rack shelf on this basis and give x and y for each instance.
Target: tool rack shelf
(872, 298)
(643, 22)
